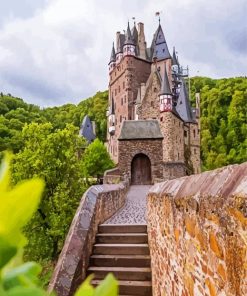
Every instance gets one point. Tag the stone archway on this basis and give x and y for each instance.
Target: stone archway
(141, 170)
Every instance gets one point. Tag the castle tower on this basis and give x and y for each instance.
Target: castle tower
(126, 75)
(150, 120)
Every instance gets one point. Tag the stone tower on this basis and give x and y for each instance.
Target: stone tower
(148, 93)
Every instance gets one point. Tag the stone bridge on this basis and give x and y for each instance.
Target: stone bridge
(197, 235)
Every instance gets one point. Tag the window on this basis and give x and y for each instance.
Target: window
(161, 118)
(185, 134)
(194, 133)
(121, 101)
(163, 50)
(124, 99)
(120, 118)
(152, 103)
(194, 150)
(115, 92)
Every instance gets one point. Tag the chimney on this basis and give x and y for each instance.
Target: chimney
(141, 41)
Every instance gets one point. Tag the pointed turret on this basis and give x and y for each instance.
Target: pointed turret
(159, 48)
(165, 87)
(129, 45)
(128, 37)
(112, 62)
(165, 95)
(183, 106)
(134, 34)
(113, 54)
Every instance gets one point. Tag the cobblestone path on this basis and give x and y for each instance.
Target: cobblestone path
(134, 210)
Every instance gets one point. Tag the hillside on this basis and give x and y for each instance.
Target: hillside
(223, 118)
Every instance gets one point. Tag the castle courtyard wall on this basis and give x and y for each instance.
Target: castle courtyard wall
(197, 232)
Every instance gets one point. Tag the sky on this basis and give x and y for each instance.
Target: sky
(54, 52)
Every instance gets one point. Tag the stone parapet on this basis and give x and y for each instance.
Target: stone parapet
(197, 232)
(97, 205)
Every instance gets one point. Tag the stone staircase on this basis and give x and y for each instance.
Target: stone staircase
(123, 250)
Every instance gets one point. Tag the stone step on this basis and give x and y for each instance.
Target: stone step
(143, 288)
(120, 260)
(122, 273)
(127, 238)
(122, 228)
(121, 249)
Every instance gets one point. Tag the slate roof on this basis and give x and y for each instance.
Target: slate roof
(165, 86)
(183, 105)
(134, 33)
(86, 129)
(159, 46)
(140, 129)
(113, 54)
(128, 37)
(120, 43)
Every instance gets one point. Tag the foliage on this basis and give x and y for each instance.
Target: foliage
(14, 113)
(53, 157)
(17, 207)
(96, 160)
(223, 120)
(18, 204)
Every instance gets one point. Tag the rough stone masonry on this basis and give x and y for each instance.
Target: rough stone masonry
(197, 229)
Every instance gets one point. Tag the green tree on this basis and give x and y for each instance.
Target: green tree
(51, 155)
(96, 160)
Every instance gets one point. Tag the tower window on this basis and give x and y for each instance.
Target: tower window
(121, 101)
(152, 103)
(194, 150)
(120, 118)
(161, 118)
(163, 50)
(194, 133)
(185, 134)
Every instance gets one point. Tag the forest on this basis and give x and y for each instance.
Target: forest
(45, 144)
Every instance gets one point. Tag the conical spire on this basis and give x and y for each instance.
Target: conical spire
(135, 34)
(113, 54)
(174, 57)
(128, 37)
(165, 87)
(183, 106)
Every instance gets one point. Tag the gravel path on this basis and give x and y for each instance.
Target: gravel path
(134, 210)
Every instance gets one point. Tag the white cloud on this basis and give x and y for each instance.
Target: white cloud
(60, 52)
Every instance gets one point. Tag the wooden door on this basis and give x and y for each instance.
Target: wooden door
(141, 170)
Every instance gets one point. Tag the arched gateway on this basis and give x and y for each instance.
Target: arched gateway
(141, 170)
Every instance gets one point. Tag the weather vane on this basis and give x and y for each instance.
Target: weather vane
(134, 19)
(158, 14)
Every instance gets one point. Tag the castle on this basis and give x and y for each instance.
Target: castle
(153, 132)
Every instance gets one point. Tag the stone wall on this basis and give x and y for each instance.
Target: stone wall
(124, 81)
(197, 230)
(150, 107)
(194, 135)
(151, 148)
(173, 143)
(97, 205)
